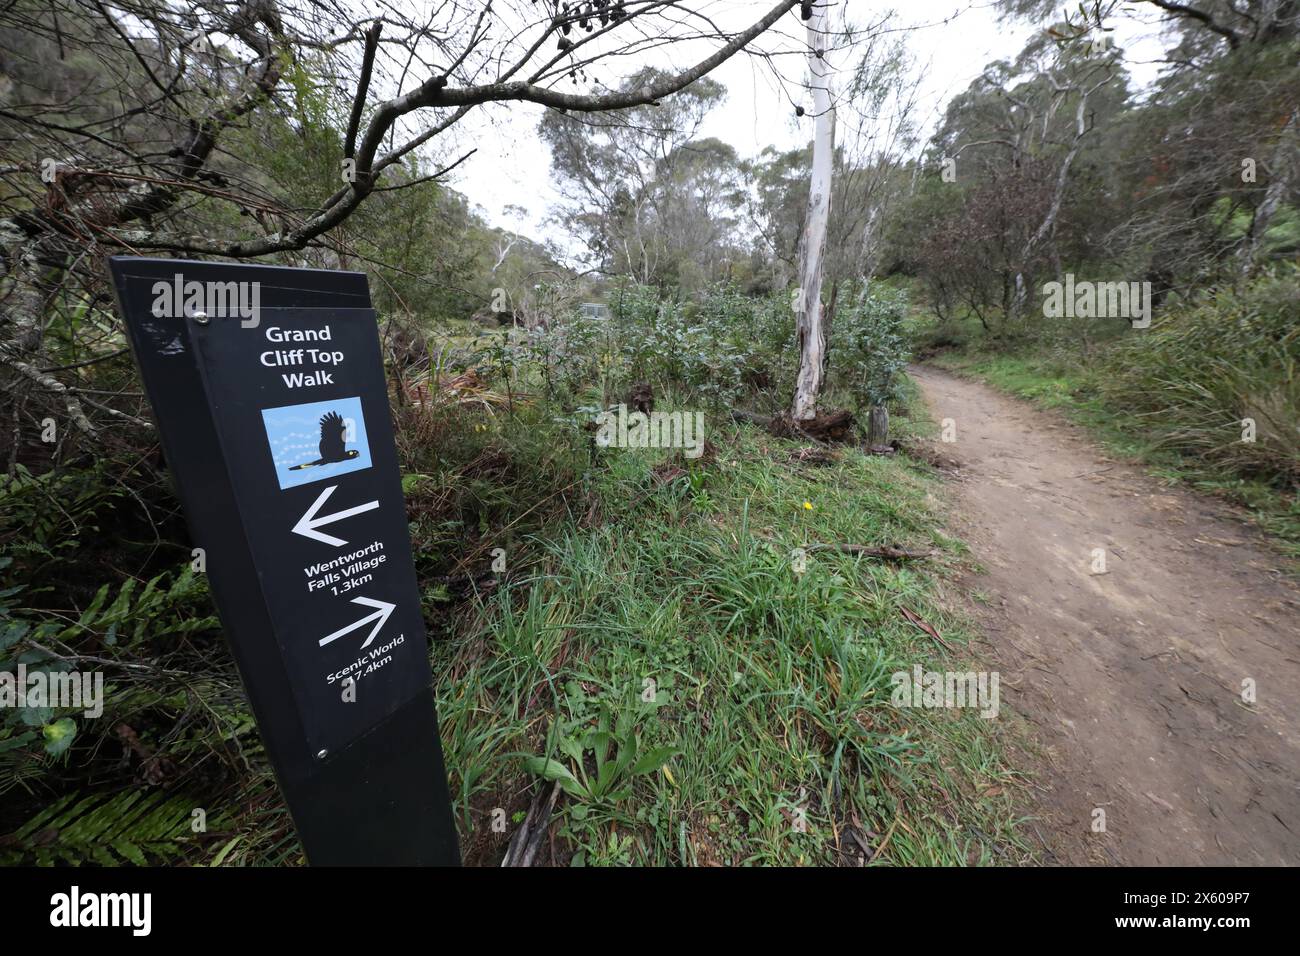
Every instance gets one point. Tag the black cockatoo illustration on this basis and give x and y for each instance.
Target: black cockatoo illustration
(332, 447)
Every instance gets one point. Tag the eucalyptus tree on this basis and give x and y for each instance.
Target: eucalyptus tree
(619, 172)
(1211, 157)
(809, 309)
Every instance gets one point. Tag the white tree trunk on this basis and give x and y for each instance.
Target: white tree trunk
(1280, 172)
(1047, 228)
(808, 306)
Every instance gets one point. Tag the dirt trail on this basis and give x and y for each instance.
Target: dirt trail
(1132, 678)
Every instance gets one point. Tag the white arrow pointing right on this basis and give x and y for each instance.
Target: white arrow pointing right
(309, 522)
(381, 615)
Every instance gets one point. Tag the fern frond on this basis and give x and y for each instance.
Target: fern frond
(136, 826)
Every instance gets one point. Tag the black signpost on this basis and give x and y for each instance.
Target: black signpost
(268, 387)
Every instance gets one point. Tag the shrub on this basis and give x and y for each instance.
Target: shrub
(1209, 365)
(869, 347)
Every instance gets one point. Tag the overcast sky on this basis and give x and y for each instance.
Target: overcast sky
(951, 42)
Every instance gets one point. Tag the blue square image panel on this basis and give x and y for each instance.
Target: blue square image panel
(317, 440)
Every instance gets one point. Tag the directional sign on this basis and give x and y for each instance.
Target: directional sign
(293, 442)
(309, 524)
(380, 616)
(276, 426)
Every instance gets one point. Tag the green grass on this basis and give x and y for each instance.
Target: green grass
(668, 614)
(653, 643)
(1071, 385)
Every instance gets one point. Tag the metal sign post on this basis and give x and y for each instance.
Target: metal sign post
(268, 387)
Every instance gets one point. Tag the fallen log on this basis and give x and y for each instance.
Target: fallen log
(885, 551)
(525, 842)
(824, 428)
(762, 421)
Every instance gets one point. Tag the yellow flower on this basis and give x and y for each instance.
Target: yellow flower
(807, 505)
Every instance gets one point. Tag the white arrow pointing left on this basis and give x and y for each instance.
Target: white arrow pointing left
(380, 616)
(309, 522)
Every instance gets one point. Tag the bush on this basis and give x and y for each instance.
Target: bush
(711, 352)
(869, 347)
(1208, 367)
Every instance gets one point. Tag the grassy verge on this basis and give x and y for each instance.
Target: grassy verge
(659, 617)
(676, 643)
